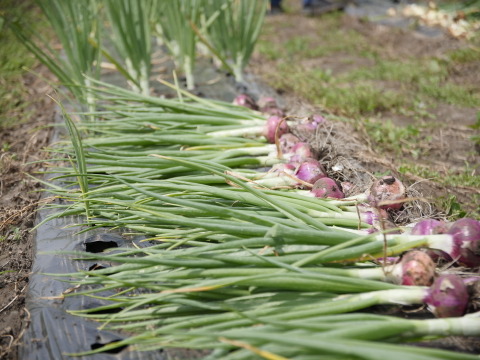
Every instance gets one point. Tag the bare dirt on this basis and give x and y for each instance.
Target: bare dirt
(24, 144)
(21, 153)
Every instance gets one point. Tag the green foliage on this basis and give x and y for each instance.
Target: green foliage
(14, 58)
(464, 55)
(76, 26)
(232, 28)
(476, 138)
(397, 139)
(176, 22)
(131, 36)
(465, 177)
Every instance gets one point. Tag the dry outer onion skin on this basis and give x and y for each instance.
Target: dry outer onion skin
(287, 143)
(418, 268)
(387, 189)
(327, 187)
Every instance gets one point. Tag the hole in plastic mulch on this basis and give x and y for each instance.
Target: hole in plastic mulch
(99, 246)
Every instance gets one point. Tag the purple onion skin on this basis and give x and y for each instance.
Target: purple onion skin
(429, 227)
(418, 268)
(310, 171)
(448, 296)
(245, 101)
(318, 119)
(311, 123)
(301, 152)
(372, 216)
(271, 133)
(287, 143)
(326, 187)
(466, 237)
(386, 189)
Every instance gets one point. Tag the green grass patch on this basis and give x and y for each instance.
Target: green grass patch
(400, 140)
(355, 91)
(466, 177)
(464, 55)
(14, 58)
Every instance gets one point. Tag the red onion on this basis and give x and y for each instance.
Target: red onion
(448, 296)
(429, 227)
(317, 119)
(300, 152)
(274, 128)
(245, 101)
(310, 171)
(326, 187)
(466, 237)
(387, 189)
(287, 143)
(418, 268)
(311, 123)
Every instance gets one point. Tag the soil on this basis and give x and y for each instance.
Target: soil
(23, 144)
(20, 157)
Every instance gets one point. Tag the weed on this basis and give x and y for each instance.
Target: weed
(452, 207)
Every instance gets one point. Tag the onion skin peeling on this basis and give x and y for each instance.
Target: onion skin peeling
(466, 235)
(327, 187)
(287, 143)
(448, 297)
(385, 192)
(417, 268)
(465, 245)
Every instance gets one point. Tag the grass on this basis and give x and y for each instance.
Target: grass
(466, 177)
(14, 58)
